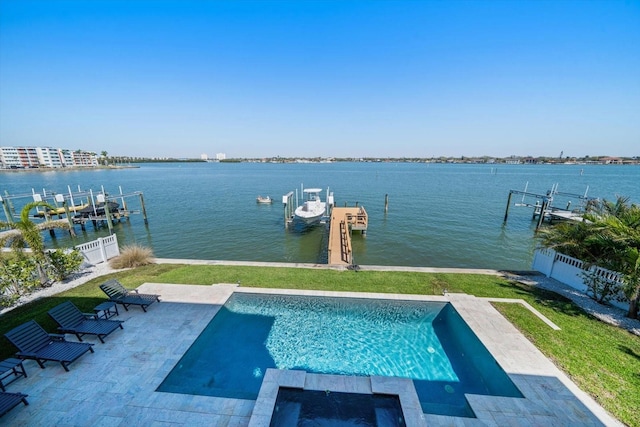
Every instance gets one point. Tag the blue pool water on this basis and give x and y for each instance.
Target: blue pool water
(427, 342)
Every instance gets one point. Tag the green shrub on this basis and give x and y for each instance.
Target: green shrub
(61, 264)
(132, 256)
(18, 276)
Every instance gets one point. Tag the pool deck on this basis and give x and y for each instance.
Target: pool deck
(115, 386)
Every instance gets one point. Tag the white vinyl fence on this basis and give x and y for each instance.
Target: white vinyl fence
(100, 250)
(568, 270)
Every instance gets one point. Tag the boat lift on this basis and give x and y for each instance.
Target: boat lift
(543, 207)
(290, 206)
(77, 207)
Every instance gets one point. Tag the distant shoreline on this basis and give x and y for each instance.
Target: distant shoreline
(71, 168)
(136, 164)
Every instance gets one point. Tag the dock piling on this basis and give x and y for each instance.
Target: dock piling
(543, 209)
(7, 211)
(72, 230)
(144, 210)
(107, 214)
(506, 211)
(124, 203)
(287, 201)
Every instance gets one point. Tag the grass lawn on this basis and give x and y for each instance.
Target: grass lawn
(603, 360)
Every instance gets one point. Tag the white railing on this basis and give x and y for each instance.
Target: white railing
(569, 271)
(100, 250)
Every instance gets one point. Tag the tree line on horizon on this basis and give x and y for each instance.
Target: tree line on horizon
(106, 160)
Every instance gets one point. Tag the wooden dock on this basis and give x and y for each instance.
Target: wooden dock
(343, 221)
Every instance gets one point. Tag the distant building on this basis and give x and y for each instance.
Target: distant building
(49, 157)
(67, 157)
(513, 160)
(221, 156)
(84, 158)
(35, 157)
(9, 157)
(611, 160)
(19, 157)
(204, 157)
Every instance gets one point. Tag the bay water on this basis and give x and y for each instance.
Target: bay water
(439, 215)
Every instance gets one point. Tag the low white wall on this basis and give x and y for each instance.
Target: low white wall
(568, 270)
(100, 250)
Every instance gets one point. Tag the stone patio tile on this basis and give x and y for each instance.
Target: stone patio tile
(236, 421)
(324, 382)
(290, 377)
(243, 408)
(106, 421)
(415, 419)
(504, 420)
(439, 420)
(263, 408)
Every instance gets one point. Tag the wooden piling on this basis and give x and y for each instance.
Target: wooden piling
(543, 208)
(9, 205)
(57, 212)
(124, 204)
(506, 211)
(386, 202)
(107, 214)
(289, 208)
(72, 230)
(7, 211)
(144, 210)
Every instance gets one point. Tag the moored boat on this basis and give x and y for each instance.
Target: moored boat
(313, 207)
(265, 200)
(97, 210)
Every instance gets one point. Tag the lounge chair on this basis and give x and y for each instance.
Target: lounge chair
(121, 295)
(73, 321)
(35, 343)
(8, 401)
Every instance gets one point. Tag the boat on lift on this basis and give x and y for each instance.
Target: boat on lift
(98, 210)
(313, 207)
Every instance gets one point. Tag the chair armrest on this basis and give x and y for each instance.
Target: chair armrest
(22, 354)
(57, 337)
(135, 291)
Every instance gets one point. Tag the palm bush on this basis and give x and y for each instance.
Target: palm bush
(608, 237)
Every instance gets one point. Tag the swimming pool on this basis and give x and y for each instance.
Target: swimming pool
(427, 342)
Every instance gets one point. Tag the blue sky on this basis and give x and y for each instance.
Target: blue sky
(322, 78)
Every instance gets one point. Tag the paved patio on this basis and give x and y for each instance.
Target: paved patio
(116, 385)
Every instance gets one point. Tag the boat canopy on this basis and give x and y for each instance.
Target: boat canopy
(313, 190)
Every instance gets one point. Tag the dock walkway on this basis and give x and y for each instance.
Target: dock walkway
(343, 220)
